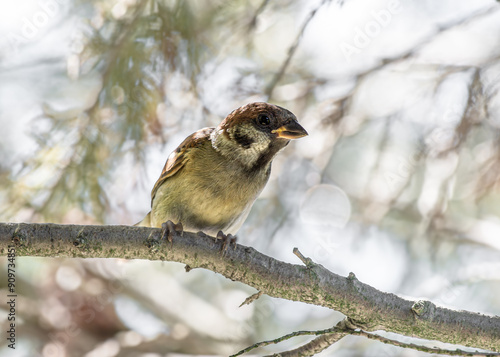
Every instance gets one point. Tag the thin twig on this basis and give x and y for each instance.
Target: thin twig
(413, 346)
(291, 52)
(314, 346)
(287, 337)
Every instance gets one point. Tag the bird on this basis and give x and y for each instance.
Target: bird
(211, 180)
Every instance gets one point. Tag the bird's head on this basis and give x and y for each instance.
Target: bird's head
(254, 133)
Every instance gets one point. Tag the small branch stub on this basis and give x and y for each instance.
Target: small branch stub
(424, 309)
(80, 240)
(252, 298)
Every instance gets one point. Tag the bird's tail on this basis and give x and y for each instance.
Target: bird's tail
(146, 222)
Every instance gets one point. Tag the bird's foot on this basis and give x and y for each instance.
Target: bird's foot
(227, 240)
(169, 228)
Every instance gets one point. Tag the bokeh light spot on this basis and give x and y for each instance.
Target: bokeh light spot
(325, 205)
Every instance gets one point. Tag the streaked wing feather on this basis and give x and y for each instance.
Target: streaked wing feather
(180, 156)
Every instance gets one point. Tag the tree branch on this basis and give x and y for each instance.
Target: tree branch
(315, 346)
(291, 51)
(366, 307)
(329, 336)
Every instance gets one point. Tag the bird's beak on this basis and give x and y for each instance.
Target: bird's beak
(291, 130)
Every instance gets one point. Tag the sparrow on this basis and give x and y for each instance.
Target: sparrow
(210, 182)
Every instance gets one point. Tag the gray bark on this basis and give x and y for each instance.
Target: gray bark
(367, 308)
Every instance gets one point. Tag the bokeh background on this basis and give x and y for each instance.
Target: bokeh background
(398, 180)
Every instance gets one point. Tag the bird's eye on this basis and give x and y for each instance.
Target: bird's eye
(264, 120)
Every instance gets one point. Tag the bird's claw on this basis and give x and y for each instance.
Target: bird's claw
(227, 240)
(169, 228)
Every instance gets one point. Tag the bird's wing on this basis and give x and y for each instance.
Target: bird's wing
(180, 156)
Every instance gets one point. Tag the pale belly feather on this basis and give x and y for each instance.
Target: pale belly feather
(205, 203)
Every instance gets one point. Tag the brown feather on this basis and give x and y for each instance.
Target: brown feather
(180, 156)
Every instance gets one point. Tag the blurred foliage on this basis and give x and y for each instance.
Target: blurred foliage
(408, 132)
(136, 47)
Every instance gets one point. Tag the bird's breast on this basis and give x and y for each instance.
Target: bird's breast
(209, 195)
